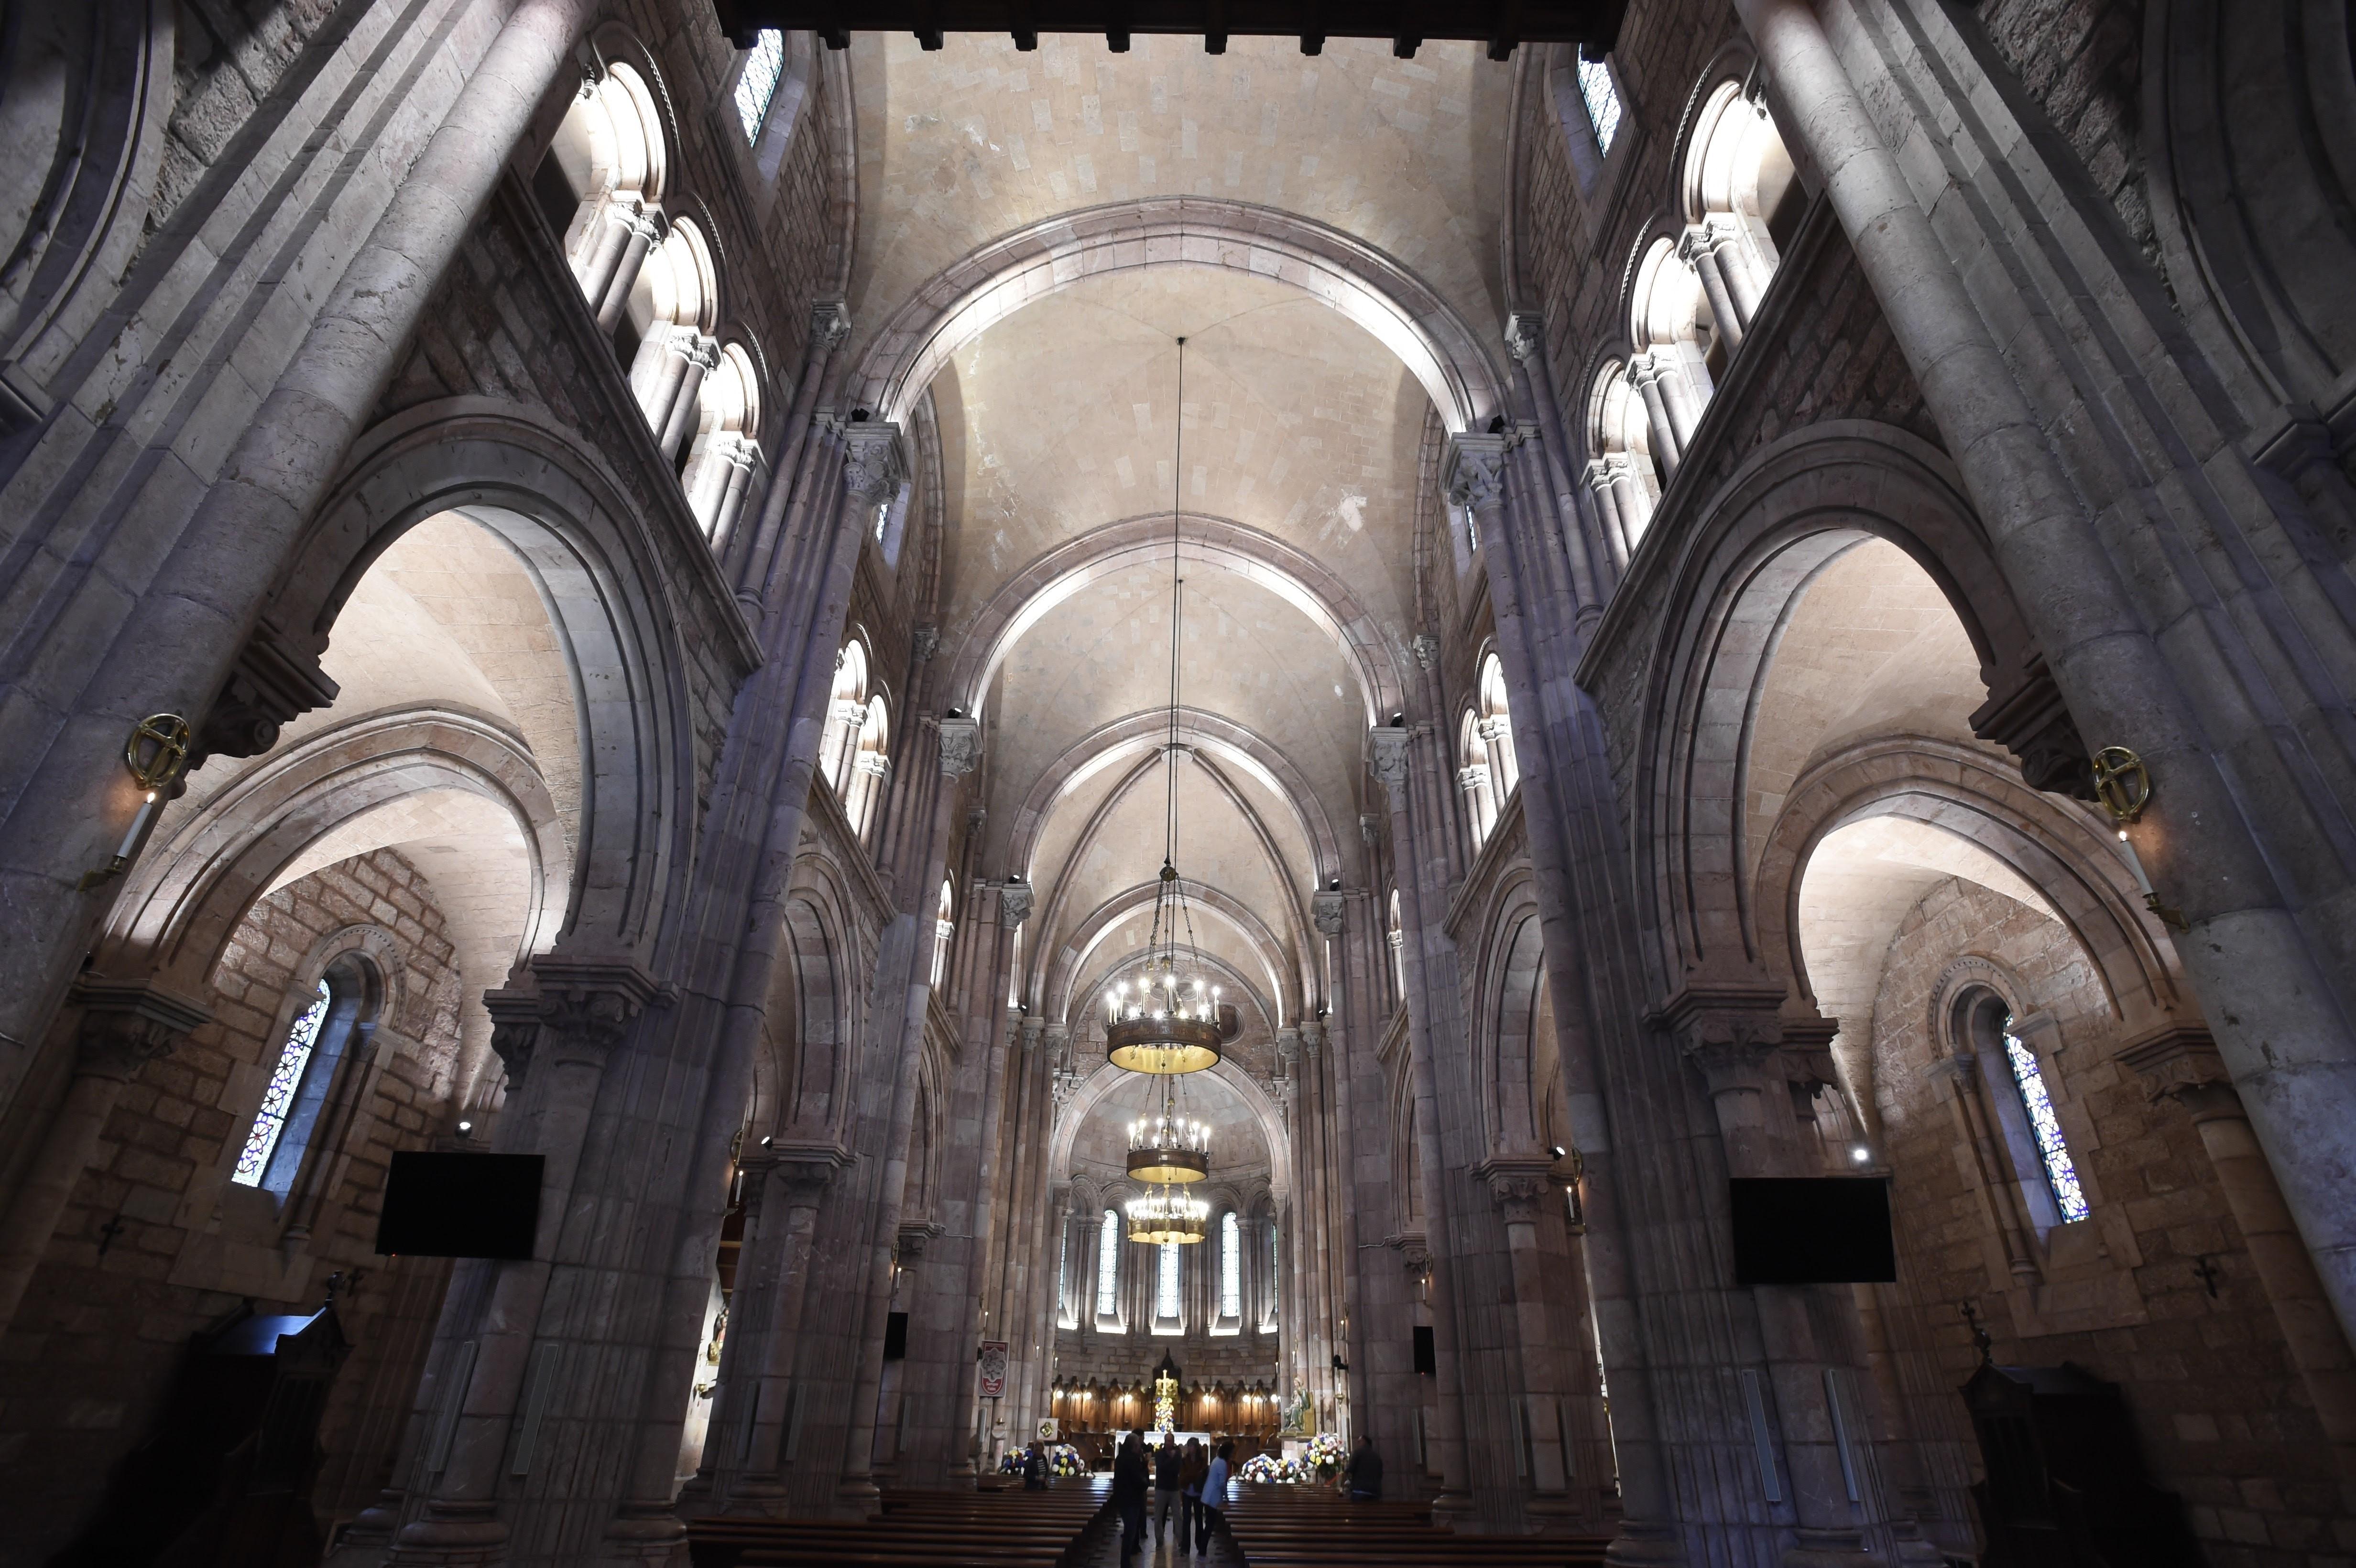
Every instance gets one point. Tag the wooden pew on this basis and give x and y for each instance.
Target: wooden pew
(999, 1529)
(1298, 1527)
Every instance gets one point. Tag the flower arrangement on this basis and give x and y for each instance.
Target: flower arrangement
(1063, 1460)
(1318, 1459)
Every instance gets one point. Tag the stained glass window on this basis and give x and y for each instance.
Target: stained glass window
(1602, 101)
(2046, 1127)
(1165, 1283)
(1231, 1267)
(763, 66)
(1063, 1269)
(1108, 1266)
(279, 1098)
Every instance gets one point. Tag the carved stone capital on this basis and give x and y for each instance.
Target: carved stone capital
(1525, 334)
(1014, 903)
(589, 1004)
(1473, 472)
(829, 322)
(1413, 1254)
(1325, 909)
(1386, 747)
(2180, 1062)
(909, 1243)
(1732, 1032)
(515, 1028)
(1518, 1185)
(1288, 1046)
(127, 1024)
(874, 460)
(924, 643)
(805, 1169)
(960, 746)
(1426, 649)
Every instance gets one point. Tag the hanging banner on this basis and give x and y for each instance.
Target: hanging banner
(993, 1369)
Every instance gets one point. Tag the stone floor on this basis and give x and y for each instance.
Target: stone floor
(1160, 1552)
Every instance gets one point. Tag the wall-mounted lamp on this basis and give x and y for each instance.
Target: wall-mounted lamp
(1861, 1154)
(156, 752)
(465, 1129)
(2123, 784)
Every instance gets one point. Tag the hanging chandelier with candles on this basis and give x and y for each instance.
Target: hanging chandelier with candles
(1169, 1020)
(1166, 1215)
(1169, 1149)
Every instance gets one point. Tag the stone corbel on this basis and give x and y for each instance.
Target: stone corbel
(515, 1028)
(924, 643)
(270, 685)
(1426, 649)
(2029, 719)
(829, 322)
(1325, 910)
(127, 1024)
(2179, 1062)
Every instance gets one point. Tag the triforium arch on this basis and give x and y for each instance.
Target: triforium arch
(1791, 509)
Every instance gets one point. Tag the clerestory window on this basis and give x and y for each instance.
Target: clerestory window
(1595, 85)
(764, 66)
(1231, 1267)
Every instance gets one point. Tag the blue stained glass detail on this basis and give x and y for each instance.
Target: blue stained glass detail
(764, 65)
(1602, 101)
(279, 1098)
(2060, 1173)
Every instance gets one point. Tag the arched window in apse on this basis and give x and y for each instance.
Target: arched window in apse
(1108, 1266)
(1231, 1267)
(944, 928)
(1165, 1283)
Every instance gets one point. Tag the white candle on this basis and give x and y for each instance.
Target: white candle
(138, 825)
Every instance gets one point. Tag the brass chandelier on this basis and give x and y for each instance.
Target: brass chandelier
(1167, 1022)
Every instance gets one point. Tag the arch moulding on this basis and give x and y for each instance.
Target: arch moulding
(1369, 288)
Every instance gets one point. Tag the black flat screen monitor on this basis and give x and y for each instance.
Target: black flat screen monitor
(1813, 1230)
(460, 1205)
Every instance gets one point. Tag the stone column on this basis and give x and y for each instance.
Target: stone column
(218, 564)
(675, 422)
(1644, 374)
(1733, 1037)
(124, 1025)
(646, 228)
(491, 1318)
(1517, 1187)
(745, 1450)
(616, 215)
(1697, 250)
(2180, 1063)
(2273, 1005)
(742, 456)
(1393, 769)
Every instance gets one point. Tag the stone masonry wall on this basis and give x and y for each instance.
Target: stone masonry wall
(156, 1244)
(226, 58)
(2221, 1415)
(2082, 61)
